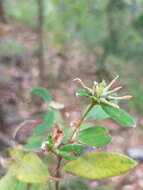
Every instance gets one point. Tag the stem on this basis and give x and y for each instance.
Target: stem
(58, 172)
(81, 121)
(28, 186)
(71, 140)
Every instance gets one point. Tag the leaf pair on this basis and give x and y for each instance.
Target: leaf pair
(93, 136)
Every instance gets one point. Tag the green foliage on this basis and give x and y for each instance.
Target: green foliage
(94, 136)
(97, 113)
(120, 116)
(86, 125)
(117, 25)
(65, 149)
(76, 184)
(42, 92)
(9, 182)
(39, 187)
(77, 148)
(53, 139)
(12, 48)
(100, 165)
(28, 167)
(21, 186)
(22, 11)
(82, 92)
(66, 156)
(106, 187)
(47, 123)
(34, 143)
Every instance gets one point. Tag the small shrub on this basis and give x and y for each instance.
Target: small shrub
(64, 147)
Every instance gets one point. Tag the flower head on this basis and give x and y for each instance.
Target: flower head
(102, 93)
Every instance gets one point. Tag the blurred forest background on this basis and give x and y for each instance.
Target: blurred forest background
(49, 43)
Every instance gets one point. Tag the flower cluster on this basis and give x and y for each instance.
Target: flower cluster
(102, 93)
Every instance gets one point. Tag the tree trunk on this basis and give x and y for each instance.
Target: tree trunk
(2, 12)
(41, 62)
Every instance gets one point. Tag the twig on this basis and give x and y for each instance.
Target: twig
(7, 140)
(20, 126)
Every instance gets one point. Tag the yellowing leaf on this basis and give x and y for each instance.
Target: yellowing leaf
(8, 182)
(28, 168)
(100, 165)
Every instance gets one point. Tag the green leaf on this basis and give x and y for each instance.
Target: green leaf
(77, 148)
(120, 116)
(114, 101)
(29, 168)
(56, 105)
(66, 156)
(16, 153)
(8, 182)
(58, 117)
(42, 92)
(94, 136)
(36, 187)
(86, 125)
(34, 143)
(22, 186)
(97, 113)
(82, 92)
(100, 165)
(47, 123)
(39, 187)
